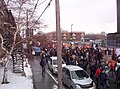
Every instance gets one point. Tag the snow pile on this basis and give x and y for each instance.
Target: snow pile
(16, 80)
(27, 69)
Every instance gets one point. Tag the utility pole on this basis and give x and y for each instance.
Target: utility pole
(59, 49)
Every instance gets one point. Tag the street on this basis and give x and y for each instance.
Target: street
(49, 80)
(111, 80)
(43, 38)
(40, 81)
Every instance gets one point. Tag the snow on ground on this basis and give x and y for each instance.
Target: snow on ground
(16, 80)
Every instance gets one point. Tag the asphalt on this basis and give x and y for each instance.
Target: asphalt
(46, 82)
(40, 81)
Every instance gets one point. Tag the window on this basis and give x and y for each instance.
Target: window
(79, 74)
(63, 69)
(55, 62)
(67, 72)
(50, 60)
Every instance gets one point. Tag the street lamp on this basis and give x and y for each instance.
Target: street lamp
(71, 30)
(71, 36)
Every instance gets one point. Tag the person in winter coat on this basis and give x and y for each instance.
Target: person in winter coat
(102, 78)
(81, 64)
(42, 64)
(112, 67)
(92, 69)
(107, 70)
(98, 71)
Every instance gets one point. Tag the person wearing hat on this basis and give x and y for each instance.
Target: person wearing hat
(102, 78)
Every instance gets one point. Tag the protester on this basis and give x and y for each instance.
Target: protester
(102, 77)
(107, 70)
(98, 71)
(81, 64)
(112, 67)
(92, 69)
(42, 63)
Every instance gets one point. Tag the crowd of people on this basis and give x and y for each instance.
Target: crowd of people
(92, 60)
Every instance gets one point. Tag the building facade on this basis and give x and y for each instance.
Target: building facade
(113, 39)
(96, 36)
(66, 36)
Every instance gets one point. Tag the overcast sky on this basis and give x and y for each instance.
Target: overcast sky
(90, 16)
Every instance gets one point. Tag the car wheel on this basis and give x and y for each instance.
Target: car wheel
(71, 87)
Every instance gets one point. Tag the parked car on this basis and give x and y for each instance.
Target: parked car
(117, 65)
(53, 66)
(76, 77)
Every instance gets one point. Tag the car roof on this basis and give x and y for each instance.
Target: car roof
(53, 58)
(73, 67)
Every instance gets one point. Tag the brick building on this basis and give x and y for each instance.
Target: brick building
(65, 36)
(96, 36)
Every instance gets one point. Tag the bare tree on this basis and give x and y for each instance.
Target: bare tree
(9, 32)
(25, 14)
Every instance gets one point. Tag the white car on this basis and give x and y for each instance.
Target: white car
(117, 65)
(53, 66)
(77, 78)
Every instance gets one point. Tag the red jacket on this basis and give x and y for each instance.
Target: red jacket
(98, 71)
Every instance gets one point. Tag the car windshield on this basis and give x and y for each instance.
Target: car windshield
(79, 74)
(55, 62)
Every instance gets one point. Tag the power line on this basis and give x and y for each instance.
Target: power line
(42, 13)
(42, 2)
(7, 2)
(35, 7)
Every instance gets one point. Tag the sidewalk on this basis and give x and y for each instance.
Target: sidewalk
(40, 81)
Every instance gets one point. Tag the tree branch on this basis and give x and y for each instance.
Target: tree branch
(41, 13)
(15, 36)
(1, 45)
